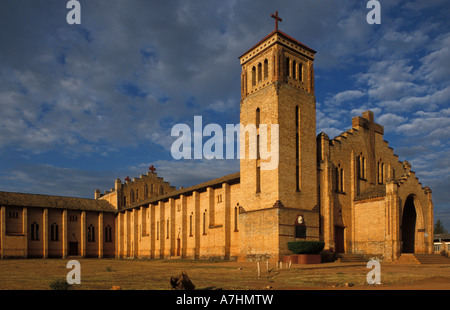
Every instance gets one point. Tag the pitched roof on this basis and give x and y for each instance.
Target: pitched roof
(444, 237)
(58, 202)
(231, 179)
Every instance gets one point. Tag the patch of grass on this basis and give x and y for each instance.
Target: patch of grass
(59, 285)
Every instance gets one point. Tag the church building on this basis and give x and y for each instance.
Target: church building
(351, 192)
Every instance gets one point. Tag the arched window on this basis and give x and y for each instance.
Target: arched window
(297, 149)
(294, 69)
(339, 179)
(151, 188)
(34, 231)
(54, 234)
(91, 233)
(236, 210)
(108, 235)
(253, 76)
(168, 229)
(266, 69)
(132, 196)
(161, 190)
(259, 72)
(257, 123)
(288, 63)
(361, 169)
(258, 117)
(145, 191)
(157, 230)
(300, 72)
(380, 172)
(258, 169)
(204, 223)
(190, 225)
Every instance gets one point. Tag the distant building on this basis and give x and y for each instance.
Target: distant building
(441, 243)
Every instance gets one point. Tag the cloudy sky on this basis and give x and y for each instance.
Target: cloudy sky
(82, 105)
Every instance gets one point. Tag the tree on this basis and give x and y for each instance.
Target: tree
(439, 228)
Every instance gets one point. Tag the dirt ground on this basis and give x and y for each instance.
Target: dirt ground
(103, 274)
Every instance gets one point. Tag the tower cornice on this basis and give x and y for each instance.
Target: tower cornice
(277, 37)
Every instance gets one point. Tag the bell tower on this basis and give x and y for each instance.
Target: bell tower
(277, 87)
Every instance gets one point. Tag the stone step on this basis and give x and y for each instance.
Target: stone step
(432, 259)
(409, 258)
(353, 258)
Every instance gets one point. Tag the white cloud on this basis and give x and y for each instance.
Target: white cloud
(347, 95)
(426, 127)
(435, 65)
(390, 120)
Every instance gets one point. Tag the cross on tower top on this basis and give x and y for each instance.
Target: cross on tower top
(277, 19)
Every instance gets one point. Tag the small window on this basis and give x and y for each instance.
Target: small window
(168, 230)
(236, 210)
(294, 70)
(157, 230)
(288, 64)
(145, 191)
(108, 234)
(339, 177)
(300, 72)
(91, 233)
(253, 76)
(35, 231)
(204, 223)
(266, 69)
(54, 234)
(380, 172)
(259, 72)
(219, 198)
(73, 218)
(361, 169)
(131, 196)
(258, 180)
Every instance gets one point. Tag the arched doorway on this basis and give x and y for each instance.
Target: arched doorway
(409, 225)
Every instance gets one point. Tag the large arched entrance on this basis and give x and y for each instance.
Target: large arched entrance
(409, 225)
